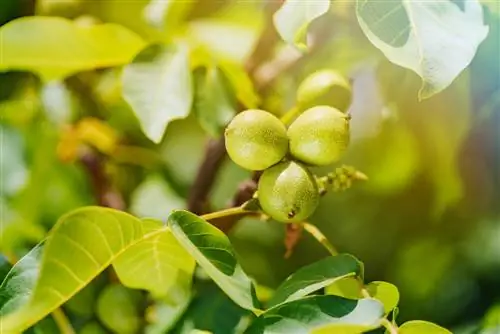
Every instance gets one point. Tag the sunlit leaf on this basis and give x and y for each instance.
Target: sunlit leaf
(349, 287)
(316, 276)
(118, 309)
(158, 87)
(435, 39)
(157, 264)
(421, 327)
(343, 329)
(55, 47)
(166, 14)
(242, 84)
(80, 246)
(303, 315)
(293, 18)
(215, 104)
(213, 251)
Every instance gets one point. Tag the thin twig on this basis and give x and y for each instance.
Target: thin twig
(318, 235)
(62, 322)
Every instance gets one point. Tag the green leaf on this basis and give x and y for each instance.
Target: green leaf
(385, 292)
(435, 39)
(155, 198)
(306, 314)
(316, 276)
(211, 310)
(14, 172)
(117, 309)
(213, 251)
(215, 104)
(93, 328)
(293, 18)
(55, 47)
(158, 87)
(17, 286)
(163, 315)
(157, 264)
(421, 327)
(80, 246)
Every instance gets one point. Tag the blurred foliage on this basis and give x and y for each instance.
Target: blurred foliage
(428, 219)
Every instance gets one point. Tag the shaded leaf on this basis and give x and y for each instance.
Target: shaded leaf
(421, 327)
(55, 47)
(213, 251)
(211, 310)
(157, 264)
(17, 286)
(435, 39)
(315, 276)
(304, 315)
(158, 87)
(294, 17)
(117, 309)
(14, 173)
(215, 104)
(80, 246)
(155, 198)
(163, 315)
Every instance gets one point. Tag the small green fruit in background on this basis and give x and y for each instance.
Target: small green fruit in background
(325, 87)
(288, 192)
(256, 139)
(319, 136)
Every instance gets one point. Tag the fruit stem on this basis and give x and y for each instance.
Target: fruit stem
(391, 328)
(225, 213)
(62, 322)
(316, 233)
(290, 115)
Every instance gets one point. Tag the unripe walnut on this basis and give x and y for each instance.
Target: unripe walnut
(319, 136)
(288, 192)
(325, 87)
(256, 139)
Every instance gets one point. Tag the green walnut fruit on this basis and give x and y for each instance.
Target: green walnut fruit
(319, 136)
(325, 87)
(256, 139)
(288, 192)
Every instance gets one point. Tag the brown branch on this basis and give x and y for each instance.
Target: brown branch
(215, 151)
(105, 194)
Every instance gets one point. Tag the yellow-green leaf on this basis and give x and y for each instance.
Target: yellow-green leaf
(157, 264)
(385, 292)
(80, 246)
(55, 47)
(421, 327)
(118, 309)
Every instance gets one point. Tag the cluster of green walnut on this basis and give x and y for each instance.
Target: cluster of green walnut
(318, 136)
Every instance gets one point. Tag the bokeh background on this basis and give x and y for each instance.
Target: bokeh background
(427, 220)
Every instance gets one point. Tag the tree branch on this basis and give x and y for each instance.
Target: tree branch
(215, 151)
